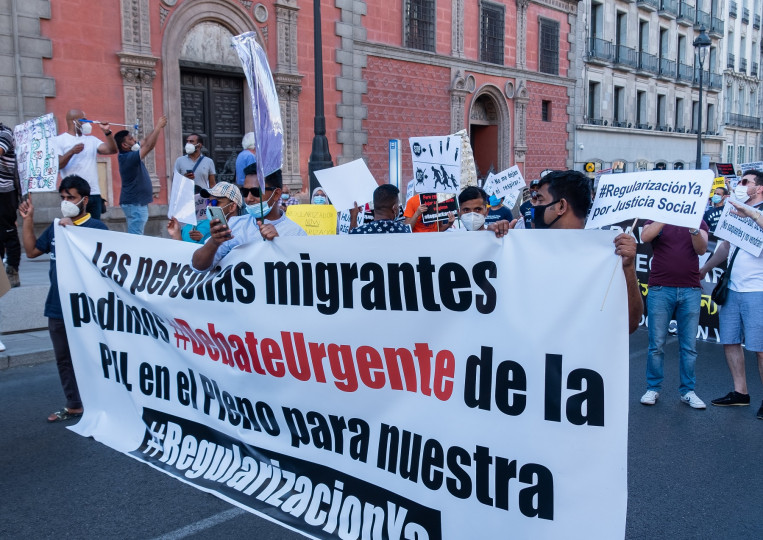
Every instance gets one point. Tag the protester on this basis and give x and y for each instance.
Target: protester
(225, 195)
(414, 211)
(713, 214)
(246, 157)
(562, 201)
(265, 219)
(287, 199)
(75, 192)
(319, 197)
(674, 286)
(77, 152)
(136, 192)
(472, 202)
(526, 208)
(10, 193)
(386, 209)
(497, 211)
(741, 316)
(194, 165)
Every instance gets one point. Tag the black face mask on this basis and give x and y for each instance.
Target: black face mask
(538, 212)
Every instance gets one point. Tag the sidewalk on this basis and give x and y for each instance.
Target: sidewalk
(22, 323)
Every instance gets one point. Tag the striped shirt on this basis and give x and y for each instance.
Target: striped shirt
(7, 160)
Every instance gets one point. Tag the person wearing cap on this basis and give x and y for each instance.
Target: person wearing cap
(246, 157)
(497, 211)
(264, 219)
(525, 209)
(223, 194)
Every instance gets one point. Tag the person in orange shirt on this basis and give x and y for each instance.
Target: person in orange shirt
(413, 212)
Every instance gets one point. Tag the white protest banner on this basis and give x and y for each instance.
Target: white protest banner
(36, 154)
(752, 166)
(436, 163)
(348, 184)
(741, 231)
(389, 377)
(182, 204)
(673, 197)
(506, 185)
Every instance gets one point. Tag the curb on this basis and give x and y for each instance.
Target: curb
(28, 358)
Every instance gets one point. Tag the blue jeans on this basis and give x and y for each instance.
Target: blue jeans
(661, 301)
(136, 216)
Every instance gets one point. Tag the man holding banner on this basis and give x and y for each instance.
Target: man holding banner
(741, 315)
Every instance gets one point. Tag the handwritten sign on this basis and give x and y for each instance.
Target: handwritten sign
(741, 231)
(316, 219)
(36, 154)
(506, 185)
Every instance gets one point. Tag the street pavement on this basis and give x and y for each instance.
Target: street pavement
(692, 474)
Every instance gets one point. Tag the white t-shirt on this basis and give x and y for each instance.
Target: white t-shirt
(82, 164)
(747, 272)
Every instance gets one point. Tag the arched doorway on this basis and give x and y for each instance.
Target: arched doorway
(489, 129)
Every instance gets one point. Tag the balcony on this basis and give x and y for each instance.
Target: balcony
(619, 123)
(667, 68)
(686, 14)
(648, 5)
(703, 18)
(600, 50)
(596, 121)
(742, 121)
(745, 16)
(716, 82)
(685, 73)
(647, 62)
(625, 56)
(643, 126)
(754, 69)
(756, 22)
(669, 9)
(732, 9)
(743, 65)
(730, 63)
(716, 27)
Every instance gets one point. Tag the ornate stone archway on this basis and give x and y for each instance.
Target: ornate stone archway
(489, 108)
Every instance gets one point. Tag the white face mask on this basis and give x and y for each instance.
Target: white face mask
(740, 193)
(135, 147)
(86, 128)
(473, 221)
(190, 148)
(70, 209)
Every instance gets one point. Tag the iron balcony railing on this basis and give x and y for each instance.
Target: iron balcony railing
(703, 18)
(732, 9)
(600, 49)
(754, 69)
(653, 5)
(648, 62)
(685, 72)
(716, 26)
(669, 6)
(686, 12)
(667, 67)
(730, 61)
(740, 120)
(745, 16)
(626, 56)
(743, 65)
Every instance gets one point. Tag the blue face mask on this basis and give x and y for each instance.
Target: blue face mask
(716, 199)
(319, 199)
(494, 201)
(259, 210)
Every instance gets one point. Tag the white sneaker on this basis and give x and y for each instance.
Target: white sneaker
(650, 398)
(692, 400)
(2, 346)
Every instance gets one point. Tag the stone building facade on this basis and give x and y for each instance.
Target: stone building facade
(501, 69)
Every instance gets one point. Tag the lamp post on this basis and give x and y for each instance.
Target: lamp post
(320, 158)
(701, 44)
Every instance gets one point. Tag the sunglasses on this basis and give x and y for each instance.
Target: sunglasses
(255, 191)
(745, 181)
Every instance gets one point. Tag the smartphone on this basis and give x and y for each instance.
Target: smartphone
(215, 212)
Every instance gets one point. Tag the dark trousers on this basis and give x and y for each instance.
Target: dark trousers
(94, 206)
(10, 246)
(57, 331)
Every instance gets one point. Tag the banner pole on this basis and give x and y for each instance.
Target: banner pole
(619, 261)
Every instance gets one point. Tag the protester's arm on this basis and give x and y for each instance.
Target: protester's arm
(26, 209)
(63, 159)
(268, 231)
(110, 146)
(699, 241)
(212, 180)
(625, 246)
(354, 216)
(416, 215)
(720, 255)
(500, 228)
(204, 256)
(451, 221)
(150, 141)
(173, 228)
(651, 231)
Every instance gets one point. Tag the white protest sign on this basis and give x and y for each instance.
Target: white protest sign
(409, 191)
(506, 185)
(741, 231)
(344, 222)
(673, 197)
(182, 204)
(436, 163)
(36, 154)
(348, 184)
(752, 166)
(267, 382)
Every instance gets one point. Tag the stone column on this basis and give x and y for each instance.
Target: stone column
(521, 99)
(460, 87)
(457, 29)
(522, 33)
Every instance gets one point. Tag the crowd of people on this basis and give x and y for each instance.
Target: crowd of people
(249, 213)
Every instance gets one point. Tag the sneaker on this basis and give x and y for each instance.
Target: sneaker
(760, 411)
(13, 276)
(692, 400)
(732, 399)
(650, 398)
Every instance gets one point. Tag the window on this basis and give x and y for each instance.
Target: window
(419, 24)
(679, 119)
(643, 36)
(710, 122)
(694, 116)
(549, 47)
(681, 56)
(730, 154)
(594, 97)
(740, 155)
(621, 33)
(641, 109)
(740, 102)
(597, 20)
(619, 108)
(750, 154)
(491, 33)
(664, 42)
(545, 110)
(661, 106)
